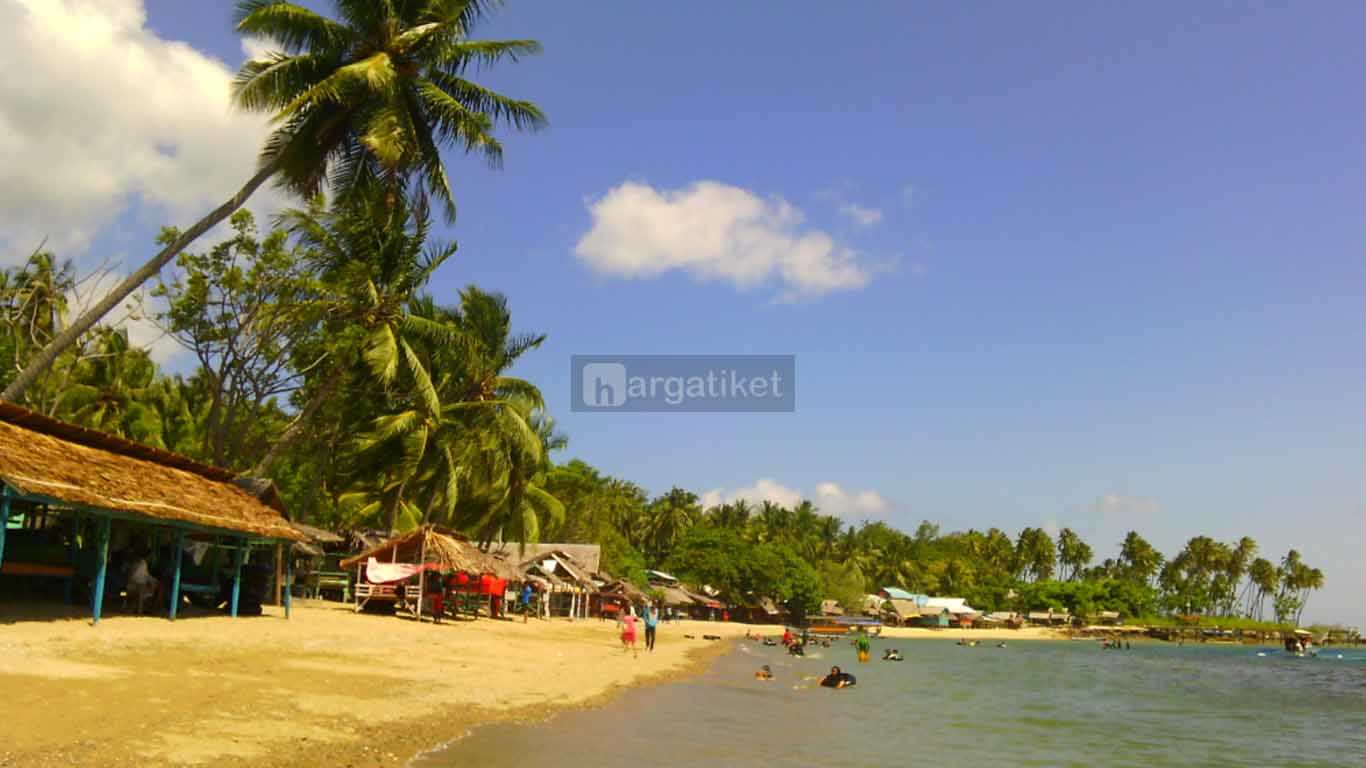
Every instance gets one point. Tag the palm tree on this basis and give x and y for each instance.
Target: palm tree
(373, 258)
(362, 101)
(1264, 577)
(1138, 559)
(1073, 554)
(114, 391)
(670, 516)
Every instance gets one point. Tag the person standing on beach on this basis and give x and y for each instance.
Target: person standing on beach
(651, 624)
(628, 633)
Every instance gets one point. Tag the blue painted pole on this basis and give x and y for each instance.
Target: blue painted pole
(179, 554)
(101, 565)
(237, 577)
(289, 577)
(4, 522)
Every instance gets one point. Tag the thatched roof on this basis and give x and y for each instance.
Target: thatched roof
(626, 589)
(318, 535)
(587, 557)
(906, 609)
(673, 596)
(429, 544)
(69, 464)
(566, 567)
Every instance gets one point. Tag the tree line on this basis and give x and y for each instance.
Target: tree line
(322, 360)
(798, 556)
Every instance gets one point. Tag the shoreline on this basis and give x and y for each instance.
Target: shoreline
(326, 688)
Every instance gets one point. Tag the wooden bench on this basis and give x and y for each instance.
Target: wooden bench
(10, 568)
(320, 581)
(365, 592)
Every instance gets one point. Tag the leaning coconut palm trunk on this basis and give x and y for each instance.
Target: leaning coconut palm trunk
(62, 341)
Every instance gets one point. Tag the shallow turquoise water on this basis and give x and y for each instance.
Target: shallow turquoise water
(1030, 704)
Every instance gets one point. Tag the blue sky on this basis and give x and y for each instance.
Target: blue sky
(1115, 278)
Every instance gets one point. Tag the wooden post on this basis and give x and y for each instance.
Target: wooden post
(175, 576)
(237, 576)
(421, 575)
(101, 564)
(289, 579)
(4, 522)
(279, 570)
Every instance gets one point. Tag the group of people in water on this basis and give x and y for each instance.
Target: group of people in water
(837, 678)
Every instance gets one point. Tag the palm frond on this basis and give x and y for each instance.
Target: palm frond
(381, 353)
(290, 26)
(454, 55)
(423, 380)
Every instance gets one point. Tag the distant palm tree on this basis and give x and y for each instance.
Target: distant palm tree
(114, 391)
(364, 100)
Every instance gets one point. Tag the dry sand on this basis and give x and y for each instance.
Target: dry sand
(326, 688)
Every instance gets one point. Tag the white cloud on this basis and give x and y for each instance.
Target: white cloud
(716, 231)
(834, 500)
(864, 217)
(103, 115)
(1120, 505)
(765, 489)
(828, 497)
(256, 48)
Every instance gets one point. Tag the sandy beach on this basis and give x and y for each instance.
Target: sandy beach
(326, 688)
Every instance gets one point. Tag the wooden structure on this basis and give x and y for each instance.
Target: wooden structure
(615, 596)
(427, 545)
(70, 486)
(568, 585)
(320, 572)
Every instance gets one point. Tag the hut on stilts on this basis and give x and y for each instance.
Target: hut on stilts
(67, 491)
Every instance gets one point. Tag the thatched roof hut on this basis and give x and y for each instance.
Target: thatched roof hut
(56, 462)
(625, 589)
(428, 544)
(85, 477)
(901, 611)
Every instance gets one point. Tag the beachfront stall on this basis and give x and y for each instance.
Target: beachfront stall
(615, 596)
(568, 584)
(108, 517)
(404, 569)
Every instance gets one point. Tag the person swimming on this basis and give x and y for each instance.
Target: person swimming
(838, 679)
(764, 673)
(796, 650)
(891, 654)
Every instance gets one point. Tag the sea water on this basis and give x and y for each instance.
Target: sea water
(1039, 703)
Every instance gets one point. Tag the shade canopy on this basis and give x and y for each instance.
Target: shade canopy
(60, 463)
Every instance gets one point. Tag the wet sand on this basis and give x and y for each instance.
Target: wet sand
(326, 688)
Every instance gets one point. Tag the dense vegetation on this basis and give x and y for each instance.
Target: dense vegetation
(322, 362)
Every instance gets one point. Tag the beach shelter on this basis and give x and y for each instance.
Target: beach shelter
(63, 487)
(393, 561)
(570, 583)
